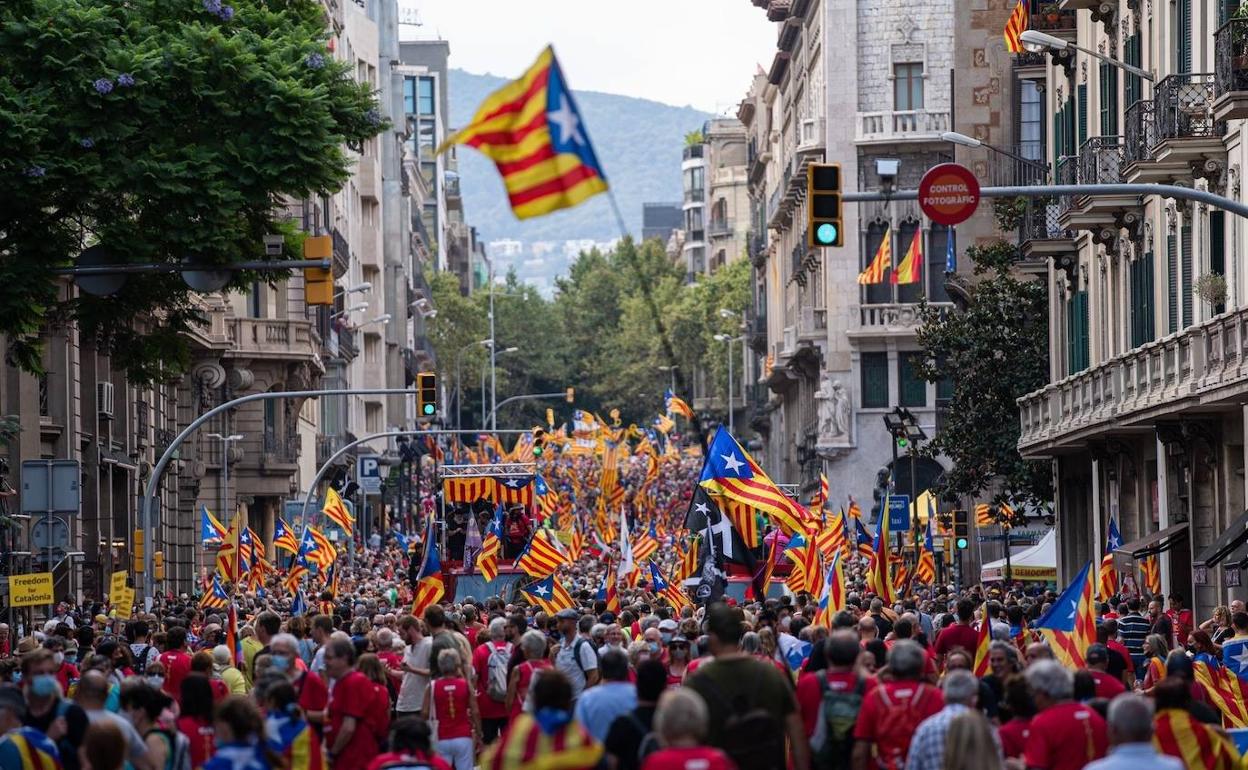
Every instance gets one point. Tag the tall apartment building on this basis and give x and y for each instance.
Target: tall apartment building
(865, 84)
(716, 201)
(1144, 419)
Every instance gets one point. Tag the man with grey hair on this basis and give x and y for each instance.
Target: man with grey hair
(489, 661)
(1064, 734)
(1131, 738)
(894, 709)
(927, 748)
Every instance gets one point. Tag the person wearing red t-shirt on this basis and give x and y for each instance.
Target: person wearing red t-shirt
(533, 646)
(960, 634)
(681, 723)
(1180, 618)
(493, 709)
(195, 718)
(841, 651)
(450, 701)
(1063, 735)
(176, 662)
(1014, 733)
(310, 689)
(1097, 659)
(410, 748)
(892, 711)
(349, 741)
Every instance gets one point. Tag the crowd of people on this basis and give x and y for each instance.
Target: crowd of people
(358, 682)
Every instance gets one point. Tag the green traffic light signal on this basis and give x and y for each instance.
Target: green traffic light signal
(430, 409)
(825, 234)
(903, 442)
(962, 543)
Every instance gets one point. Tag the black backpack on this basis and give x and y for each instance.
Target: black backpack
(833, 741)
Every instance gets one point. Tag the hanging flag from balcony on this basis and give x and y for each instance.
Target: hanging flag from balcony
(1019, 20)
(951, 253)
(881, 263)
(533, 131)
(911, 268)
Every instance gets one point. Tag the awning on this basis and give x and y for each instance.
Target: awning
(1231, 539)
(1158, 542)
(1039, 562)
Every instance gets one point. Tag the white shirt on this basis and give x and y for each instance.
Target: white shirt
(412, 691)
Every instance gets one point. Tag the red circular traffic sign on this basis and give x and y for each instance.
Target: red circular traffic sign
(949, 194)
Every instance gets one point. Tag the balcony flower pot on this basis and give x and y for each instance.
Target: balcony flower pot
(1211, 287)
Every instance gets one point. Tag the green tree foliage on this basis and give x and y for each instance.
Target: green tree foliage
(995, 351)
(165, 130)
(597, 334)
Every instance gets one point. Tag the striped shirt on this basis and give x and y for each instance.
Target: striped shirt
(1133, 628)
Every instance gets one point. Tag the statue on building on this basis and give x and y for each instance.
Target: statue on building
(832, 400)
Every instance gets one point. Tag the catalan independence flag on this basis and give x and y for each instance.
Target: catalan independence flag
(1070, 624)
(284, 536)
(491, 546)
(211, 530)
(730, 471)
(336, 511)
(215, 598)
(983, 642)
(674, 404)
(549, 594)
(534, 133)
(429, 585)
(1108, 580)
(540, 557)
(1018, 22)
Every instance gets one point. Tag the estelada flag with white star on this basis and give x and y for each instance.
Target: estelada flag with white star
(730, 471)
(533, 132)
(549, 594)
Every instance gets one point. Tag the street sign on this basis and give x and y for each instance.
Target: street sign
(50, 485)
(30, 590)
(898, 513)
(368, 474)
(949, 194)
(52, 532)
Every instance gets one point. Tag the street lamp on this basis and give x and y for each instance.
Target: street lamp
(906, 433)
(381, 319)
(729, 339)
(352, 309)
(359, 288)
(459, 391)
(225, 468)
(672, 370)
(962, 140)
(1036, 41)
(494, 354)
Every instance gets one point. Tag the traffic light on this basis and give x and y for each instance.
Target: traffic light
(571, 395)
(158, 565)
(961, 529)
(318, 282)
(137, 552)
(539, 441)
(823, 205)
(426, 394)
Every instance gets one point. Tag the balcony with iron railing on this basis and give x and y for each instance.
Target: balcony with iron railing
(720, 228)
(1101, 161)
(280, 450)
(1141, 133)
(901, 126)
(1066, 172)
(1230, 69)
(1198, 369)
(1040, 232)
(695, 195)
(341, 253)
(1053, 21)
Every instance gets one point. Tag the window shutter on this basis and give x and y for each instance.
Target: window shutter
(1059, 134)
(912, 390)
(1083, 114)
(1134, 87)
(1142, 300)
(1186, 276)
(1172, 287)
(1077, 332)
(874, 380)
(1183, 35)
(1110, 95)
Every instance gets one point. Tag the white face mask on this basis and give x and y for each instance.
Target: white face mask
(58, 658)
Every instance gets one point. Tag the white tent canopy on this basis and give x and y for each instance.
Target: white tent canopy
(1039, 562)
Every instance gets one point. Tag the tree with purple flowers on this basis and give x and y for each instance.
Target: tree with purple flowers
(165, 130)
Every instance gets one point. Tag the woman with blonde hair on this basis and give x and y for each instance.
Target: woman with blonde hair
(1219, 626)
(969, 744)
(1156, 648)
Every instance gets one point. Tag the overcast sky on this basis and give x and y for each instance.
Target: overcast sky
(700, 53)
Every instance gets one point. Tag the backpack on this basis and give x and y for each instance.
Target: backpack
(177, 748)
(833, 741)
(576, 653)
(496, 674)
(897, 722)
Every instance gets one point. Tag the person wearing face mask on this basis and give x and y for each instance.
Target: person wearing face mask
(155, 676)
(677, 660)
(64, 722)
(653, 639)
(168, 749)
(66, 673)
(310, 690)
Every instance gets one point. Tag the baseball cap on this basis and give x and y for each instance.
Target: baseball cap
(1097, 653)
(667, 624)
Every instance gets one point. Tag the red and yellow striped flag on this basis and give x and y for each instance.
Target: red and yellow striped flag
(336, 511)
(911, 268)
(1179, 734)
(881, 263)
(533, 131)
(983, 641)
(1019, 20)
(1150, 575)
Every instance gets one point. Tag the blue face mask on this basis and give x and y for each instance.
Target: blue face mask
(44, 686)
(280, 663)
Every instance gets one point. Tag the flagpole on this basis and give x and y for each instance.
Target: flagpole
(660, 327)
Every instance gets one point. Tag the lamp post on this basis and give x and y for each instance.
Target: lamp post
(906, 433)
(953, 137)
(672, 370)
(730, 340)
(225, 467)
(459, 391)
(1036, 41)
(494, 354)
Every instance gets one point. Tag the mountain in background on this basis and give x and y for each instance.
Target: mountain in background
(638, 142)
